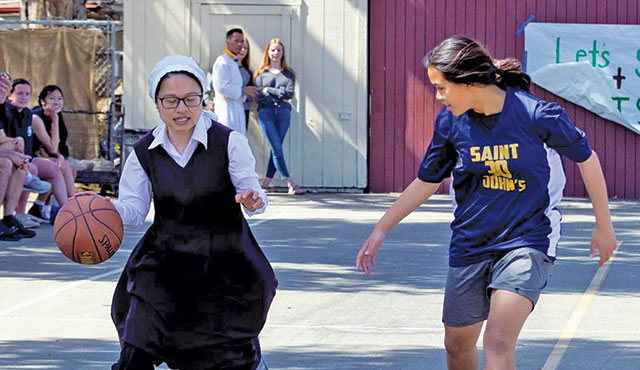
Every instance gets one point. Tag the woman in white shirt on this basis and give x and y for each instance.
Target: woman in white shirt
(197, 288)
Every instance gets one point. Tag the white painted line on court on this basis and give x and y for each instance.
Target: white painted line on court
(576, 316)
(327, 327)
(77, 284)
(258, 223)
(56, 292)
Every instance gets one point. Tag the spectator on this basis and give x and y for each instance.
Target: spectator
(227, 84)
(50, 140)
(276, 83)
(16, 135)
(13, 169)
(20, 125)
(247, 77)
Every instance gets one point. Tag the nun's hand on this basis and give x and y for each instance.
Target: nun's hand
(250, 199)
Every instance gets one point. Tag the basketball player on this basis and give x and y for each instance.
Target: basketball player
(197, 288)
(503, 148)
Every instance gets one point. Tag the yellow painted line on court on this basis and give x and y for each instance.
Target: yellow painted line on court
(576, 316)
(55, 292)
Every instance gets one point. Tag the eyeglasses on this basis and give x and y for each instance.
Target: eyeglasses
(172, 102)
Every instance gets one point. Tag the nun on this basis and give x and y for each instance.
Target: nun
(196, 289)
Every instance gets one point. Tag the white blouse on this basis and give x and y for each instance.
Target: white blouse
(135, 187)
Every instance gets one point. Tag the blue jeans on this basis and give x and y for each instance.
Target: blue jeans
(274, 121)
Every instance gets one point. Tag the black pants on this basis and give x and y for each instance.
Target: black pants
(132, 358)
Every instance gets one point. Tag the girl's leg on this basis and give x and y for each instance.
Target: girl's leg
(266, 117)
(461, 346)
(283, 122)
(14, 189)
(69, 178)
(517, 280)
(266, 182)
(49, 171)
(507, 315)
(5, 174)
(22, 202)
(271, 168)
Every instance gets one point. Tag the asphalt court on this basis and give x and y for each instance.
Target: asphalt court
(54, 314)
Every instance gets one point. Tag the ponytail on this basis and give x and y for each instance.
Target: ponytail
(509, 74)
(463, 60)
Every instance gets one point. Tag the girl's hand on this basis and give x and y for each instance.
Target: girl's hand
(603, 239)
(60, 160)
(18, 159)
(51, 113)
(369, 250)
(5, 87)
(250, 199)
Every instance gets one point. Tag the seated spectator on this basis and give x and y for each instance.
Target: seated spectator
(51, 136)
(13, 169)
(18, 124)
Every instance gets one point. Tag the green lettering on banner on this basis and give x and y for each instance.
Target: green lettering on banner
(604, 57)
(579, 54)
(594, 52)
(620, 99)
(638, 105)
(637, 57)
(558, 50)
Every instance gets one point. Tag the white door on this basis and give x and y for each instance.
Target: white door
(259, 24)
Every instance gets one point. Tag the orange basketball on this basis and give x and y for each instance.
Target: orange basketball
(88, 229)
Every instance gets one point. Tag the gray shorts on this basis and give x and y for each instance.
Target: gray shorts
(523, 271)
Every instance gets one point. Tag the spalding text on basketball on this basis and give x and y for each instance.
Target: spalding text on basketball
(106, 243)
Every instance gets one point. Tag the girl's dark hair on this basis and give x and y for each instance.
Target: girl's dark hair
(46, 91)
(189, 74)
(464, 61)
(18, 81)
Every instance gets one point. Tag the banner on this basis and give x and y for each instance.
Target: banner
(596, 66)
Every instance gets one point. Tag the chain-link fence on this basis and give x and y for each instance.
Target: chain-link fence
(105, 132)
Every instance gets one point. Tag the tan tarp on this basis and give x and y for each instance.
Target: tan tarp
(64, 57)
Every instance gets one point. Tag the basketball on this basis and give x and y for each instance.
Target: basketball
(88, 229)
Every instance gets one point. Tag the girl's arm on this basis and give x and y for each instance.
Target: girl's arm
(4, 138)
(50, 142)
(262, 95)
(603, 236)
(411, 198)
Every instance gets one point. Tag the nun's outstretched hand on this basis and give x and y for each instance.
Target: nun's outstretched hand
(250, 199)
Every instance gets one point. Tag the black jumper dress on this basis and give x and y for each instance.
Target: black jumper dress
(196, 289)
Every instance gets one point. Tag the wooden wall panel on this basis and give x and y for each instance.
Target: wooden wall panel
(403, 102)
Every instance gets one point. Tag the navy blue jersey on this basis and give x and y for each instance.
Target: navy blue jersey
(507, 178)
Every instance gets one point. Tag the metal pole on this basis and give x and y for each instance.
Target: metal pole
(62, 22)
(111, 95)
